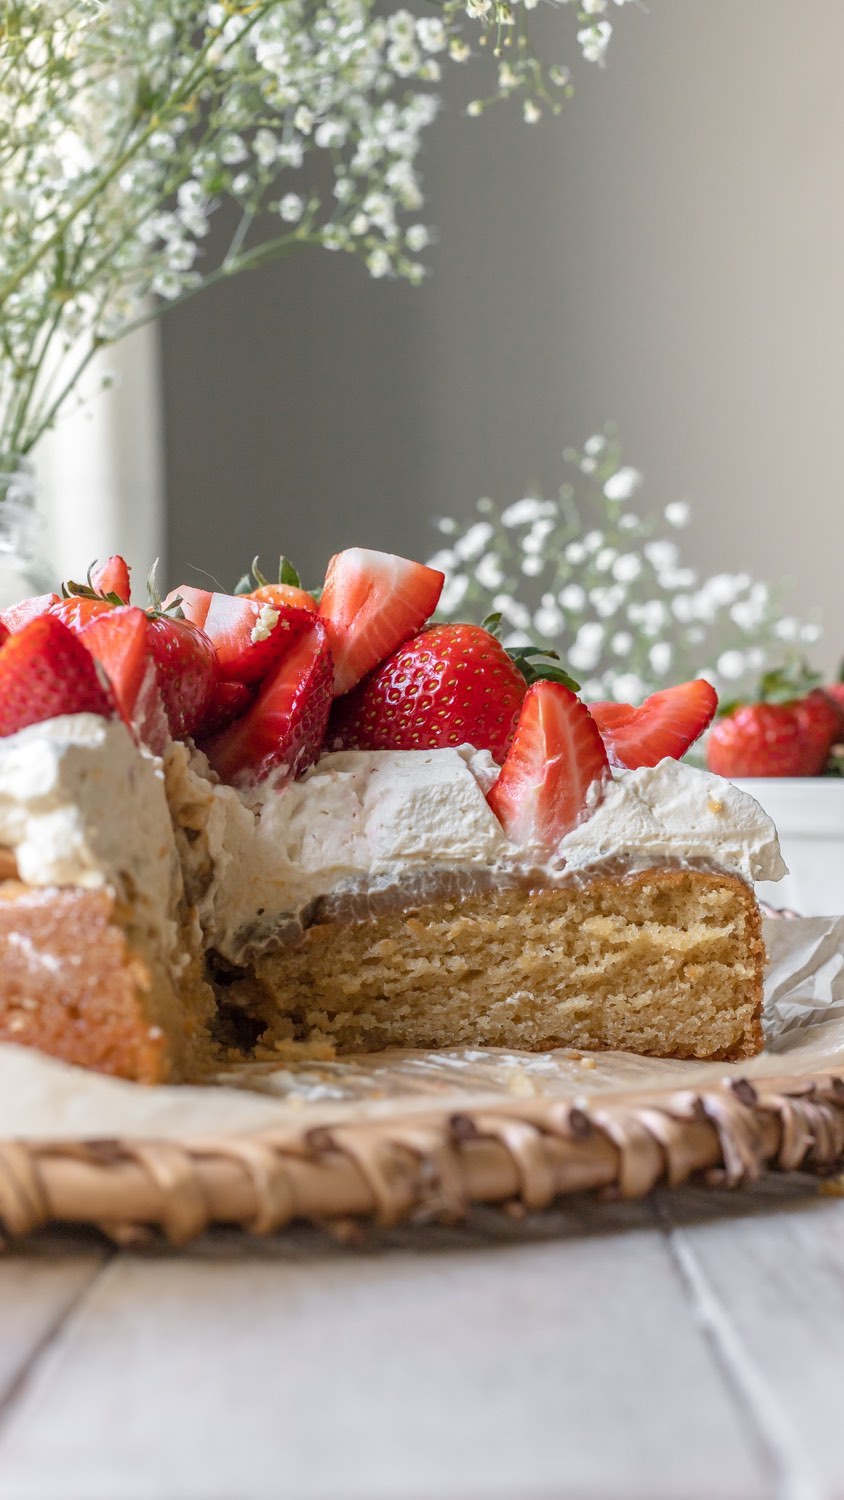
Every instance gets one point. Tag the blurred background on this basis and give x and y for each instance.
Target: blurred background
(667, 255)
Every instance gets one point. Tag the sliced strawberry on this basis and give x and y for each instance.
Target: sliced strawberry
(112, 577)
(45, 672)
(284, 729)
(371, 603)
(18, 615)
(449, 685)
(120, 642)
(557, 754)
(186, 666)
(194, 603)
(79, 610)
(250, 637)
(666, 724)
(229, 701)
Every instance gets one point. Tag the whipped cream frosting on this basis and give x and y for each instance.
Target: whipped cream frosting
(79, 804)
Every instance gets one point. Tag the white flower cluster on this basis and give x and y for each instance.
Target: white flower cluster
(124, 123)
(607, 588)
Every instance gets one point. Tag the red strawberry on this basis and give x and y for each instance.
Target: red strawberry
(112, 577)
(450, 685)
(4, 633)
(284, 729)
(18, 615)
(666, 724)
(79, 610)
(372, 602)
(835, 693)
(557, 754)
(45, 672)
(250, 637)
(120, 642)
(229, 701)
(760, 739)
(186, 665)
(194, 603)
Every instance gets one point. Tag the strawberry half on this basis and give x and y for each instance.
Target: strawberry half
(371, 603)
(79, 610)
(249, 636)
(194, 603)
(666, 724)
(112, 577)
(285, 727)
(45, 672)
(229, 701)
(186, 667)
(557, 754)
(120, 642)
(449, 685)
(19, 615)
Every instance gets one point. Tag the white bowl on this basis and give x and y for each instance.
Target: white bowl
(809, 814)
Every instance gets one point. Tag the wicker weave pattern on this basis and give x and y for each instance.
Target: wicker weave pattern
(525, 1152)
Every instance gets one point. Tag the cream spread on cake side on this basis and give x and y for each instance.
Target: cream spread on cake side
(368, 820)
(81, 805)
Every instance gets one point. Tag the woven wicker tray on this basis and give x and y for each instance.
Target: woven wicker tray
(417, 1136)
(424, 1165)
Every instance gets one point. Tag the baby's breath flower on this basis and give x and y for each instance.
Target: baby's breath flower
(124, 125)
(607, 587)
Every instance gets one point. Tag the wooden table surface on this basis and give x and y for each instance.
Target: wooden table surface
(686, 1348)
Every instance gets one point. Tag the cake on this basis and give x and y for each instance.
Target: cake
(237, 822)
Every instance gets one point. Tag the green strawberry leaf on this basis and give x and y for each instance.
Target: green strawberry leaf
(492, 624)
(287, 573)
(537, 664)
(255, 579)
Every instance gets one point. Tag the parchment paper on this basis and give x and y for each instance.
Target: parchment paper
(804, 1023)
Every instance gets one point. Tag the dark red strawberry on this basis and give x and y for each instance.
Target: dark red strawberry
(835, 693)
(450, 685)
(557, 754)
(371, 602)
(45, 672)
(229, 701)
(186, 664)
(4, 633)
(112, 577)
(666, 724)
(18, 615)
(249, 636)
(119, 640)
(284, 729)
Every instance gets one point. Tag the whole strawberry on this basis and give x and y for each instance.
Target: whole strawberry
(449, 685)
(46, 672)
(793, 738)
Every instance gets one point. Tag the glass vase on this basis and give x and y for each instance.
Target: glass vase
(23, 571)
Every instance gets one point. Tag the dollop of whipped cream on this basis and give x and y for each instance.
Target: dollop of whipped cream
(80, 805)
(673, 812)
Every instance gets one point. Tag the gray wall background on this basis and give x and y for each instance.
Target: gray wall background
(669, 254)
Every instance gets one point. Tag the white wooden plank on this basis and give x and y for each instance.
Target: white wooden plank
(510, 1371)
(38, 1287)
(769, 1287)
